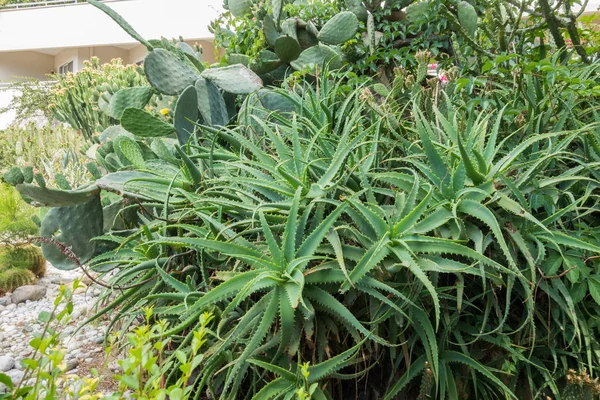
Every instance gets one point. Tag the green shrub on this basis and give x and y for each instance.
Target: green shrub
(17, 218)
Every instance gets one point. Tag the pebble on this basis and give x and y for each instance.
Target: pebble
(19, 323)
(6, 363)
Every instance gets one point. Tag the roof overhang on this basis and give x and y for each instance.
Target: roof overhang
(82, 25)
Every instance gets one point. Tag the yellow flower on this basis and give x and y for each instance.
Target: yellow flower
(164, 111)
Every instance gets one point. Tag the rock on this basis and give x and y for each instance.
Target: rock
(4, 301)
(71, 365)
(15, 375)
(114, 366)
(6, 363)
(28, 292)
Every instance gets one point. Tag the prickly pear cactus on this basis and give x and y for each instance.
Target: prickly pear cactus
(339, 29)
(318, 56)
(143, 124)
(136, 97)
(14, 176)
(467, 16)
(168, 73)
(76, 227)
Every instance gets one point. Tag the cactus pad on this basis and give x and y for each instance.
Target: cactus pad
(167, 73)
(143, 124)
(211, 103)
(320, 55)
(136, 97)
(28, 174)
(267, 61)
(416, 10)
(270, 30)
(239, 8)
(339, 29)
(14, 176)
(132, 151)
(159, 147)
(287, 48)
(61, 182)
(77, 226)
(110, 133)
(235, 79)
(186, 115)
(358, 9)
(122, 23)
(467, 16)
(46, 197)
(237, 59)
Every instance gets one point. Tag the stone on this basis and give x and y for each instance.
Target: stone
(71, 365)
(4, 301)
(6, 363)
(28, 292)
(15, 375)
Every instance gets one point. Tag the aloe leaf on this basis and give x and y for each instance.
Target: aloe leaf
(412, 217)
(312, 242)
(326, 368)
(482, 213)
(276, 252)
(371, 258)
(338, 310)
(415, 368)
(450, 356)
(171, 281)
(411, 264)
(274, 389)
(234, 376)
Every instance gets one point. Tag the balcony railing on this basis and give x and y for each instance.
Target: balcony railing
(49, 3)
(18, 6)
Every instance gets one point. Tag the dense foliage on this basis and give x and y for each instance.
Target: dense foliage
(409, 237)
(390, 33)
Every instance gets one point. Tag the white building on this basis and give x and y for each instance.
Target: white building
(37, 39)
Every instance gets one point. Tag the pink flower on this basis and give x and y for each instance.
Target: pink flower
(444, 78)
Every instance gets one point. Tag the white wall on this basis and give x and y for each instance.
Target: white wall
(25, 63)
(82, 25)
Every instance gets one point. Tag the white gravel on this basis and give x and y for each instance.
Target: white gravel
(18, 323)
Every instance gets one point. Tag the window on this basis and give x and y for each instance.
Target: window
(66, 68)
